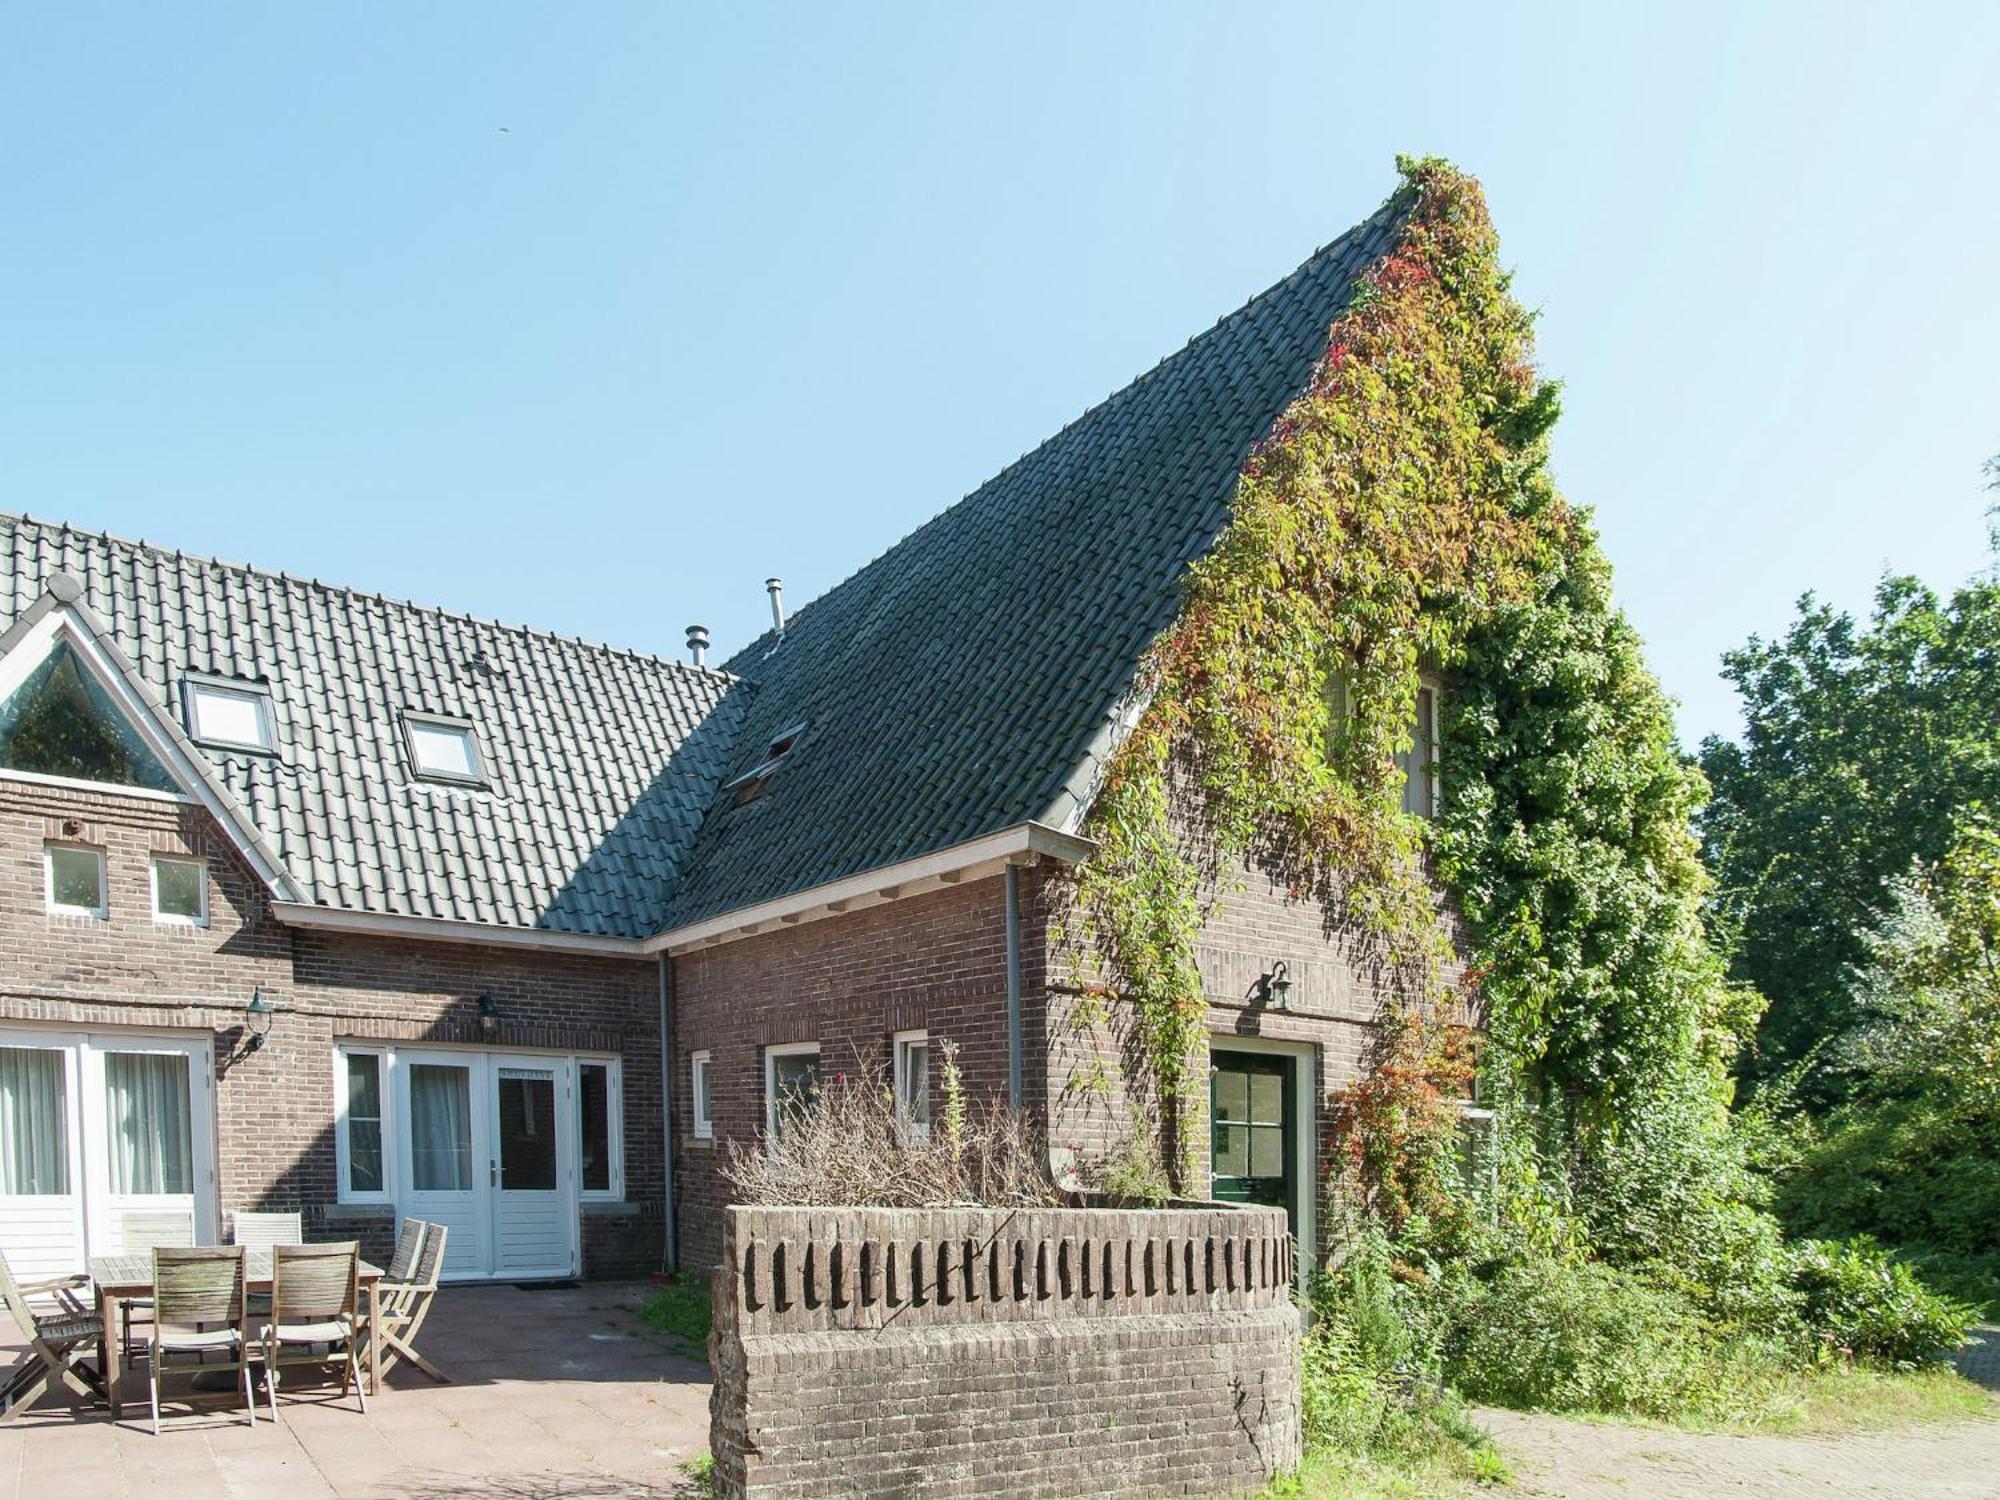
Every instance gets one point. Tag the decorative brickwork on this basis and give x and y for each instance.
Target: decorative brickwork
(1052, 1352)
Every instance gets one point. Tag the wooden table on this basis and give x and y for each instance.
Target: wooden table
(123, 1278)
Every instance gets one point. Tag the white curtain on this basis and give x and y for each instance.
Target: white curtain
(34, 1121)
(440, 1129)
(152, 1137)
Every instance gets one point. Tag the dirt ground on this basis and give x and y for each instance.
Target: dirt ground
(1555, 1458)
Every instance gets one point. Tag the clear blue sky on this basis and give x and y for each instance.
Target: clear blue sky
(593, 316)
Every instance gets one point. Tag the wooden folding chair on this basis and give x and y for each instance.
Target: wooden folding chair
(141, 1231)
(260, 1231)
(315, 1299)
(403, 1302)
(57, 1340)
(198, 1309)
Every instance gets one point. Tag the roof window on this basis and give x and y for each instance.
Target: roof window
(444, 749)
(750, 785)
(229, 713)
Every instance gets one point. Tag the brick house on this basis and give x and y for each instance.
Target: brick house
(316, 899)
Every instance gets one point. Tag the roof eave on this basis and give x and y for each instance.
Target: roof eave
(974, 859)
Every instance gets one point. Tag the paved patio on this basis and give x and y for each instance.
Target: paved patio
(555, 1393)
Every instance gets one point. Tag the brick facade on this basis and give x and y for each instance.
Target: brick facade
(967, 1352)
(935, 961)
(274, 1105)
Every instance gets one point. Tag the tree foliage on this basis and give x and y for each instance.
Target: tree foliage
(1861, 744)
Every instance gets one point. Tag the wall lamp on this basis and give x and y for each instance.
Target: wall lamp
(489, 1014)
(257, 1019)
(1275, 988)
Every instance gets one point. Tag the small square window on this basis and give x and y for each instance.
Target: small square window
(444, 749)
(699, 1084)
(180, 890)
(76, 881)
(913, 1084)
(232, 715)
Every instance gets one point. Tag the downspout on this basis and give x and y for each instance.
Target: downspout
(1013, 987)
(671, 1256)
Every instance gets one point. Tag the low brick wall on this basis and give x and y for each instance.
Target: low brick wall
(990, 1352)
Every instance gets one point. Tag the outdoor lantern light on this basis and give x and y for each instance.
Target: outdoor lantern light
(1275, 988)
(489, 1013)
(257, 1018)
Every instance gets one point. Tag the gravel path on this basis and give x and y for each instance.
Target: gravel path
(1557, 1457)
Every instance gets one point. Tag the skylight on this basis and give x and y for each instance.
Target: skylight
(443, 749)
(233, 715)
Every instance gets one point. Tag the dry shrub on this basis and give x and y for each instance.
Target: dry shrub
(845, 1147)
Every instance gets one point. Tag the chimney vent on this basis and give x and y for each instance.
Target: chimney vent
(775, 587)
(698, 644)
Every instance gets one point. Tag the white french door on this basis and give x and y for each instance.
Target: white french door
(491, 1151)
(107, 1143)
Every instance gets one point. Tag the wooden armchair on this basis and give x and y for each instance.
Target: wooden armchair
(57, 1337)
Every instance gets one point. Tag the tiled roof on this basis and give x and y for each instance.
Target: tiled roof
(602, 761)
(966, 681)
(962, 682)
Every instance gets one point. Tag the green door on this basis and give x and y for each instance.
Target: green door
(1251, 1147)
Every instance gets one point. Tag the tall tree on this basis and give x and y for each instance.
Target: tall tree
(1861, 746)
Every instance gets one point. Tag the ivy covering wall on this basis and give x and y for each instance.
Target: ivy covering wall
(1400, 519)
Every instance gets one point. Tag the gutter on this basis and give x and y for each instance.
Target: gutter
(451, 930)
(670, 1261)
(974, 858)
(1014, 1090)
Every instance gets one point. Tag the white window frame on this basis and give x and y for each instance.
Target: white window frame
(900, 1043)
(100, 912)
(259, 695)
(614, 1131)
(174, 919)
(344, 1193)
(771, 1056)
(474, 750)
(1427, 755)
(701, 1070)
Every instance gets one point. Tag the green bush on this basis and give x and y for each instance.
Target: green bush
(1558, 1335)
(1858, 1299)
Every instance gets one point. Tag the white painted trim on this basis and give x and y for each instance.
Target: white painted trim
(701, 1065)
(385, 1124)
(174, 919)
(162, 736)
(972, 860)
(899, 1045)
(978, 857)
(614, 1127)
(101, 912)
(451, 930)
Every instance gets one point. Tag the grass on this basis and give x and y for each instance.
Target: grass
(680, 1310)
(1839, 1398)
(1850, 1398)
(1345, 1476)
